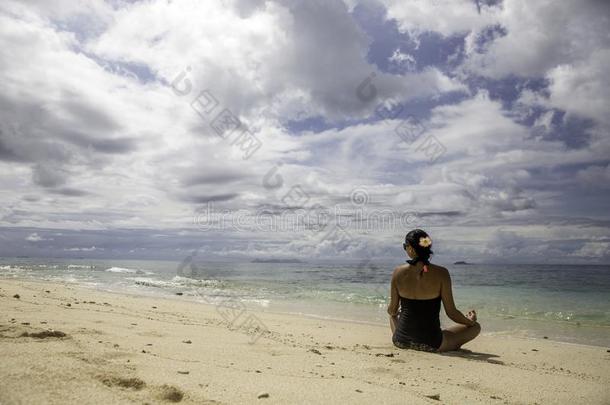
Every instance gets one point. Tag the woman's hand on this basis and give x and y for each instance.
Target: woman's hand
(472, 315)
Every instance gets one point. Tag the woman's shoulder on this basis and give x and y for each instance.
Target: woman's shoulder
(439, 269)
(401, 268)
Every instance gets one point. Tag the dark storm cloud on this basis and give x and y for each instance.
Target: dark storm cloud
(440, 214)
(6, 153)
(116, 145)
(202, 199)
(70, 192)
(81, 111)
(108, 145)
(48, 175)
(224, 177)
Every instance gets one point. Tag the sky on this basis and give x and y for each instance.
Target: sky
(312, 130)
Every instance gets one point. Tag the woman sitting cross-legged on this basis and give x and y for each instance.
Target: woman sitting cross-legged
(417, 289)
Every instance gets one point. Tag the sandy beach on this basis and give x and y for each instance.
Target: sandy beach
(62, 343)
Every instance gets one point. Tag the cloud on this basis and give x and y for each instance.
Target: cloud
(582, 87)
(203, 199)
(594, 177)
(82, 249)
(565, 44)
(100, 137)
(33, 237)
(70, 192)
(448, 17)
(593, 250)
(297, 59)
(48, 176)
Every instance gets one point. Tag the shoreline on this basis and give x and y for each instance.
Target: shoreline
(519, 334)
(122, 348)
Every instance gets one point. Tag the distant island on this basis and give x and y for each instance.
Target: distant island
(277, 261)
(461, 263)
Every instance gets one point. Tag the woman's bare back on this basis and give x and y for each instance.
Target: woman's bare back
(413, 283)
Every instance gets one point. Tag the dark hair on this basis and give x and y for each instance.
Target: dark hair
(422, 253)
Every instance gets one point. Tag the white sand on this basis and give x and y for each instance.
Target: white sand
(119, 349)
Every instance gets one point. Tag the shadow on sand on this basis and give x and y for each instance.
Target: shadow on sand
(476, 356)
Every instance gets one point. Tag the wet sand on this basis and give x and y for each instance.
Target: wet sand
(62, 343)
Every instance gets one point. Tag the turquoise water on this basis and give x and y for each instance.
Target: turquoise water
(565, 303)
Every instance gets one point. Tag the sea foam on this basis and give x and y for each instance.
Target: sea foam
(126, 270)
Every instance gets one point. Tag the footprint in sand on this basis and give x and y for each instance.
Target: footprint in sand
(133, 383)
(44, 334)
(164, 392)
(169, 393)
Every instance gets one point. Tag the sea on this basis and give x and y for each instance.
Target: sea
(557, 302)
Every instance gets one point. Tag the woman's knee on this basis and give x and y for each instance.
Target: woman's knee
(476, 328)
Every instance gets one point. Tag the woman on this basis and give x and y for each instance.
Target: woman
(419, 287)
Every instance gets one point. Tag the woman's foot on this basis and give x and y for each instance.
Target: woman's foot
(455, 336)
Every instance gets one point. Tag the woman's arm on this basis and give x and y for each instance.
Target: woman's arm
(394, 303)
(393, 321)
(447, 296)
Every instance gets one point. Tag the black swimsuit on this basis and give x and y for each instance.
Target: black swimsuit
(419, 326)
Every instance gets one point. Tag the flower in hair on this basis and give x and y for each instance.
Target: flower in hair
(425, 242)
